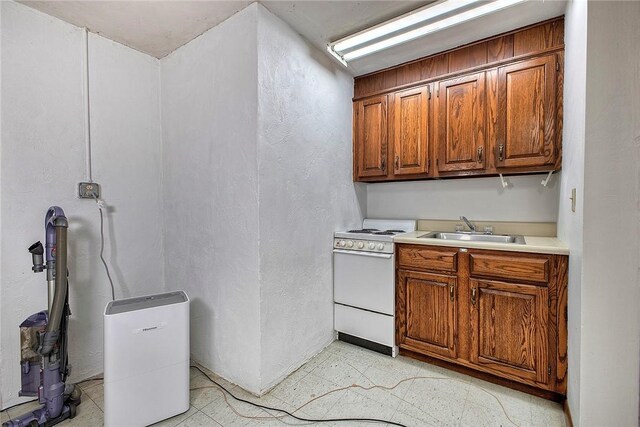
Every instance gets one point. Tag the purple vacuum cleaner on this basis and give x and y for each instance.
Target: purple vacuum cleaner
(44, 364)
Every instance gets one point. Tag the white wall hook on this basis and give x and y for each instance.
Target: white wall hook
(545, 181)
(504, 183)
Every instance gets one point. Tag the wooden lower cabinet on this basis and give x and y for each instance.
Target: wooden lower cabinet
(512, 328)
(428, 305)
(507, 328)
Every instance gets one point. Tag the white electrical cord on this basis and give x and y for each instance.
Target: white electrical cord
(101, 206)
(86, 105)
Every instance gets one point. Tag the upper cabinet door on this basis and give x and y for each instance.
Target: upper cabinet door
(526, 113)
(410, 130)
(371, 137)
(460, 117)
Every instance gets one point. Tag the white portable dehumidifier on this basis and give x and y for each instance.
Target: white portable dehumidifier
(146, 359)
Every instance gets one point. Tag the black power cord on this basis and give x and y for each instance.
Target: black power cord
(311, 420)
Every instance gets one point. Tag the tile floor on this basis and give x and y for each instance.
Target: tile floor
(444, 398)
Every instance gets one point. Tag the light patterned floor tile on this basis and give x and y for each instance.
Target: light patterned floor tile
(308, 388)
(174, 421)
(231, 413)
(316, 360)
(198, 420)
(398, 382)
(95, 393)
(516, 405)
(341, 372)
(480, 416)
(88, 414)
(546, 413)
(24, 408)
(201, 397)
(454, 400)
(443, 399)
(354, 405)
(360, 357)
(412, 415)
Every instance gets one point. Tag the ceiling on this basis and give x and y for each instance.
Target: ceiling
(159, 27)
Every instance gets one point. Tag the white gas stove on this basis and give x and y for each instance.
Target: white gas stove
(364, 283)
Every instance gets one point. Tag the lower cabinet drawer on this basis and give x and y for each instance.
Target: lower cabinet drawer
(517, 267)
(428, 258)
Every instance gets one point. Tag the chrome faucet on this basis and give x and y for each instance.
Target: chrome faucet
(469, 223)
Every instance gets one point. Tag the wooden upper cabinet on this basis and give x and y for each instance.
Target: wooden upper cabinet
(508, 329)
(460, 116)
(371, 137)
(427, 322)
(410, 131)
(495, 107)
(526, 113)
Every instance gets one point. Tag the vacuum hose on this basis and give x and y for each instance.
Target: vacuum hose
(52, 332)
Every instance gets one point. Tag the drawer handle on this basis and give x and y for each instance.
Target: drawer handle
(451, 292)
(397, 162)
(473, 296)
(384, 164)
(479, 154)
(501, 152)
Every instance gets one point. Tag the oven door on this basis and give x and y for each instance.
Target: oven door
(364, 280)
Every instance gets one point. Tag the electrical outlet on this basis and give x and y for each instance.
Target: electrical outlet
(89, 190)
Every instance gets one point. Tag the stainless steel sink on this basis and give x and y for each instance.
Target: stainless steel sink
(475, 237)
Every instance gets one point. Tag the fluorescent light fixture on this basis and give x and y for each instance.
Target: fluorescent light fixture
(335, 55)
(359, 41)
(405, 21)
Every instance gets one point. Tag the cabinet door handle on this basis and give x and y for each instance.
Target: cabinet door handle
(397, 162)
(501, 152)
(384, 164)
(473, 296)
(479, 154)
(451, 292)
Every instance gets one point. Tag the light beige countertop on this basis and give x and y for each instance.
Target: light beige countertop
(533, 244)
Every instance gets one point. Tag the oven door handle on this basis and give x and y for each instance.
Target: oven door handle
(360, 253)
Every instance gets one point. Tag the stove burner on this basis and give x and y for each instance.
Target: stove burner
(389, 232)
(364, 231)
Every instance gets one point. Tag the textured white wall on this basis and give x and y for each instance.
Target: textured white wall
(209, 120)
(481, 199)
(306, 192)
(570, 224)
(610, 342)
(42, 155)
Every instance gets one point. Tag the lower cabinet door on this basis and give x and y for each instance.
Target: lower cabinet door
(509, 328)
(426, 314)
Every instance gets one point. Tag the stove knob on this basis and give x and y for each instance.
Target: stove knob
(360, 245)
(341, 243)
(372, 245)
(380, 246)
(350, 244)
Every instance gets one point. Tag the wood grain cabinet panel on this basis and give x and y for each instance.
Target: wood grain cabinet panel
(496, 108)
(510, 267)
(509, 328)
(428, 319)
(410, 131)
(371, 137)
(460, 116)
(526, 113)
(495, 313)
(428, 258)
